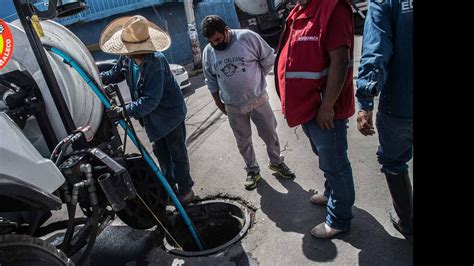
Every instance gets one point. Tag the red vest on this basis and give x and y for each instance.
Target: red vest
(306, 66)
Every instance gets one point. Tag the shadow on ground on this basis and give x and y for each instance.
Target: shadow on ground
(293, 212)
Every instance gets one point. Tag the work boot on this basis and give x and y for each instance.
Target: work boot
(252, 180)
(186, 198)
(282, 169)
(396, 223)
(319, 199)
(401, 191)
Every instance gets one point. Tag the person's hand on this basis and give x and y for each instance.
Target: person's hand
(116, 113)
(221, 107)
(364, 123)
(325, 117)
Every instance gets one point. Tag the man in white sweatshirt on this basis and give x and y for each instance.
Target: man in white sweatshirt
(235, 65)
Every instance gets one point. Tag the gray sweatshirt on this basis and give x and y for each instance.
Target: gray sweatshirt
(239, 71)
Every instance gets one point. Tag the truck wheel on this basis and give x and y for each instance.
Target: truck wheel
(135, 214)
(23, 250)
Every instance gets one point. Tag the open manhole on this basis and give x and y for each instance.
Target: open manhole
(220, 223)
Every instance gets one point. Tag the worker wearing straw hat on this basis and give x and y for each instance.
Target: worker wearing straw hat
(156, 96)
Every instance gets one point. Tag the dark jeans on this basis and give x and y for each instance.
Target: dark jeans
(396, 143)
(172, 155)
(331, 148)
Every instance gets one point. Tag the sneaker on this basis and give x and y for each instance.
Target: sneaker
(323, 230)
(283, 170)
(252, 179)
(186, 198)
(319, 199)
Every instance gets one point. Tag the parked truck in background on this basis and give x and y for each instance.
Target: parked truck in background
(267, 17)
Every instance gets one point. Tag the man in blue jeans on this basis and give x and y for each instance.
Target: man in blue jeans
(313, 77)
(156, 97)
(386, 68)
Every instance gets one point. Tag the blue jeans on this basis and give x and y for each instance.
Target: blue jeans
(396, 143)
(172, 155)
(331, 148)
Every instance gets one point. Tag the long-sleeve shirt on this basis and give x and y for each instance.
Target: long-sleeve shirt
(156, 96)
(239, 71)
(387, 58)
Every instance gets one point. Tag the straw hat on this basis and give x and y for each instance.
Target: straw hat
(133, 35)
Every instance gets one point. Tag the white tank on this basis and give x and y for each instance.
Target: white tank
(19, 159)
(255, 7)
(85, 107)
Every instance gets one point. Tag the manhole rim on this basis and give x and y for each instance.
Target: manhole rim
(247, 218)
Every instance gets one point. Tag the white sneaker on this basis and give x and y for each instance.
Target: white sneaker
(323, 230)
(319, 199)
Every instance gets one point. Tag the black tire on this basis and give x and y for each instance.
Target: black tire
(25, 250)
(135, 214)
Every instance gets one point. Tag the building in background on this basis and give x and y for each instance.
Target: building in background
(168, 14)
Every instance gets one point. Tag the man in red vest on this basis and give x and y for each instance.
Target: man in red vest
(315, 86)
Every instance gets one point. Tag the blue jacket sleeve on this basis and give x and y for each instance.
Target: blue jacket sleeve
(154, 85)
(114, 75)
(377, 50)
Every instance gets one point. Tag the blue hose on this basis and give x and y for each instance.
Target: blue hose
(146, 156)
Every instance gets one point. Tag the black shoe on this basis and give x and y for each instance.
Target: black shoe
(252, 180)
(186, 198)
(401, 191)
(282, 170)
(396, 223)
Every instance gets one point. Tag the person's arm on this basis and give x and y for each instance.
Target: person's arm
(377, 50)
(219, 103)
(265, 53)
(211, 81)
(114, 75)
(154, 85)
(338, 43)
(336, 78)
